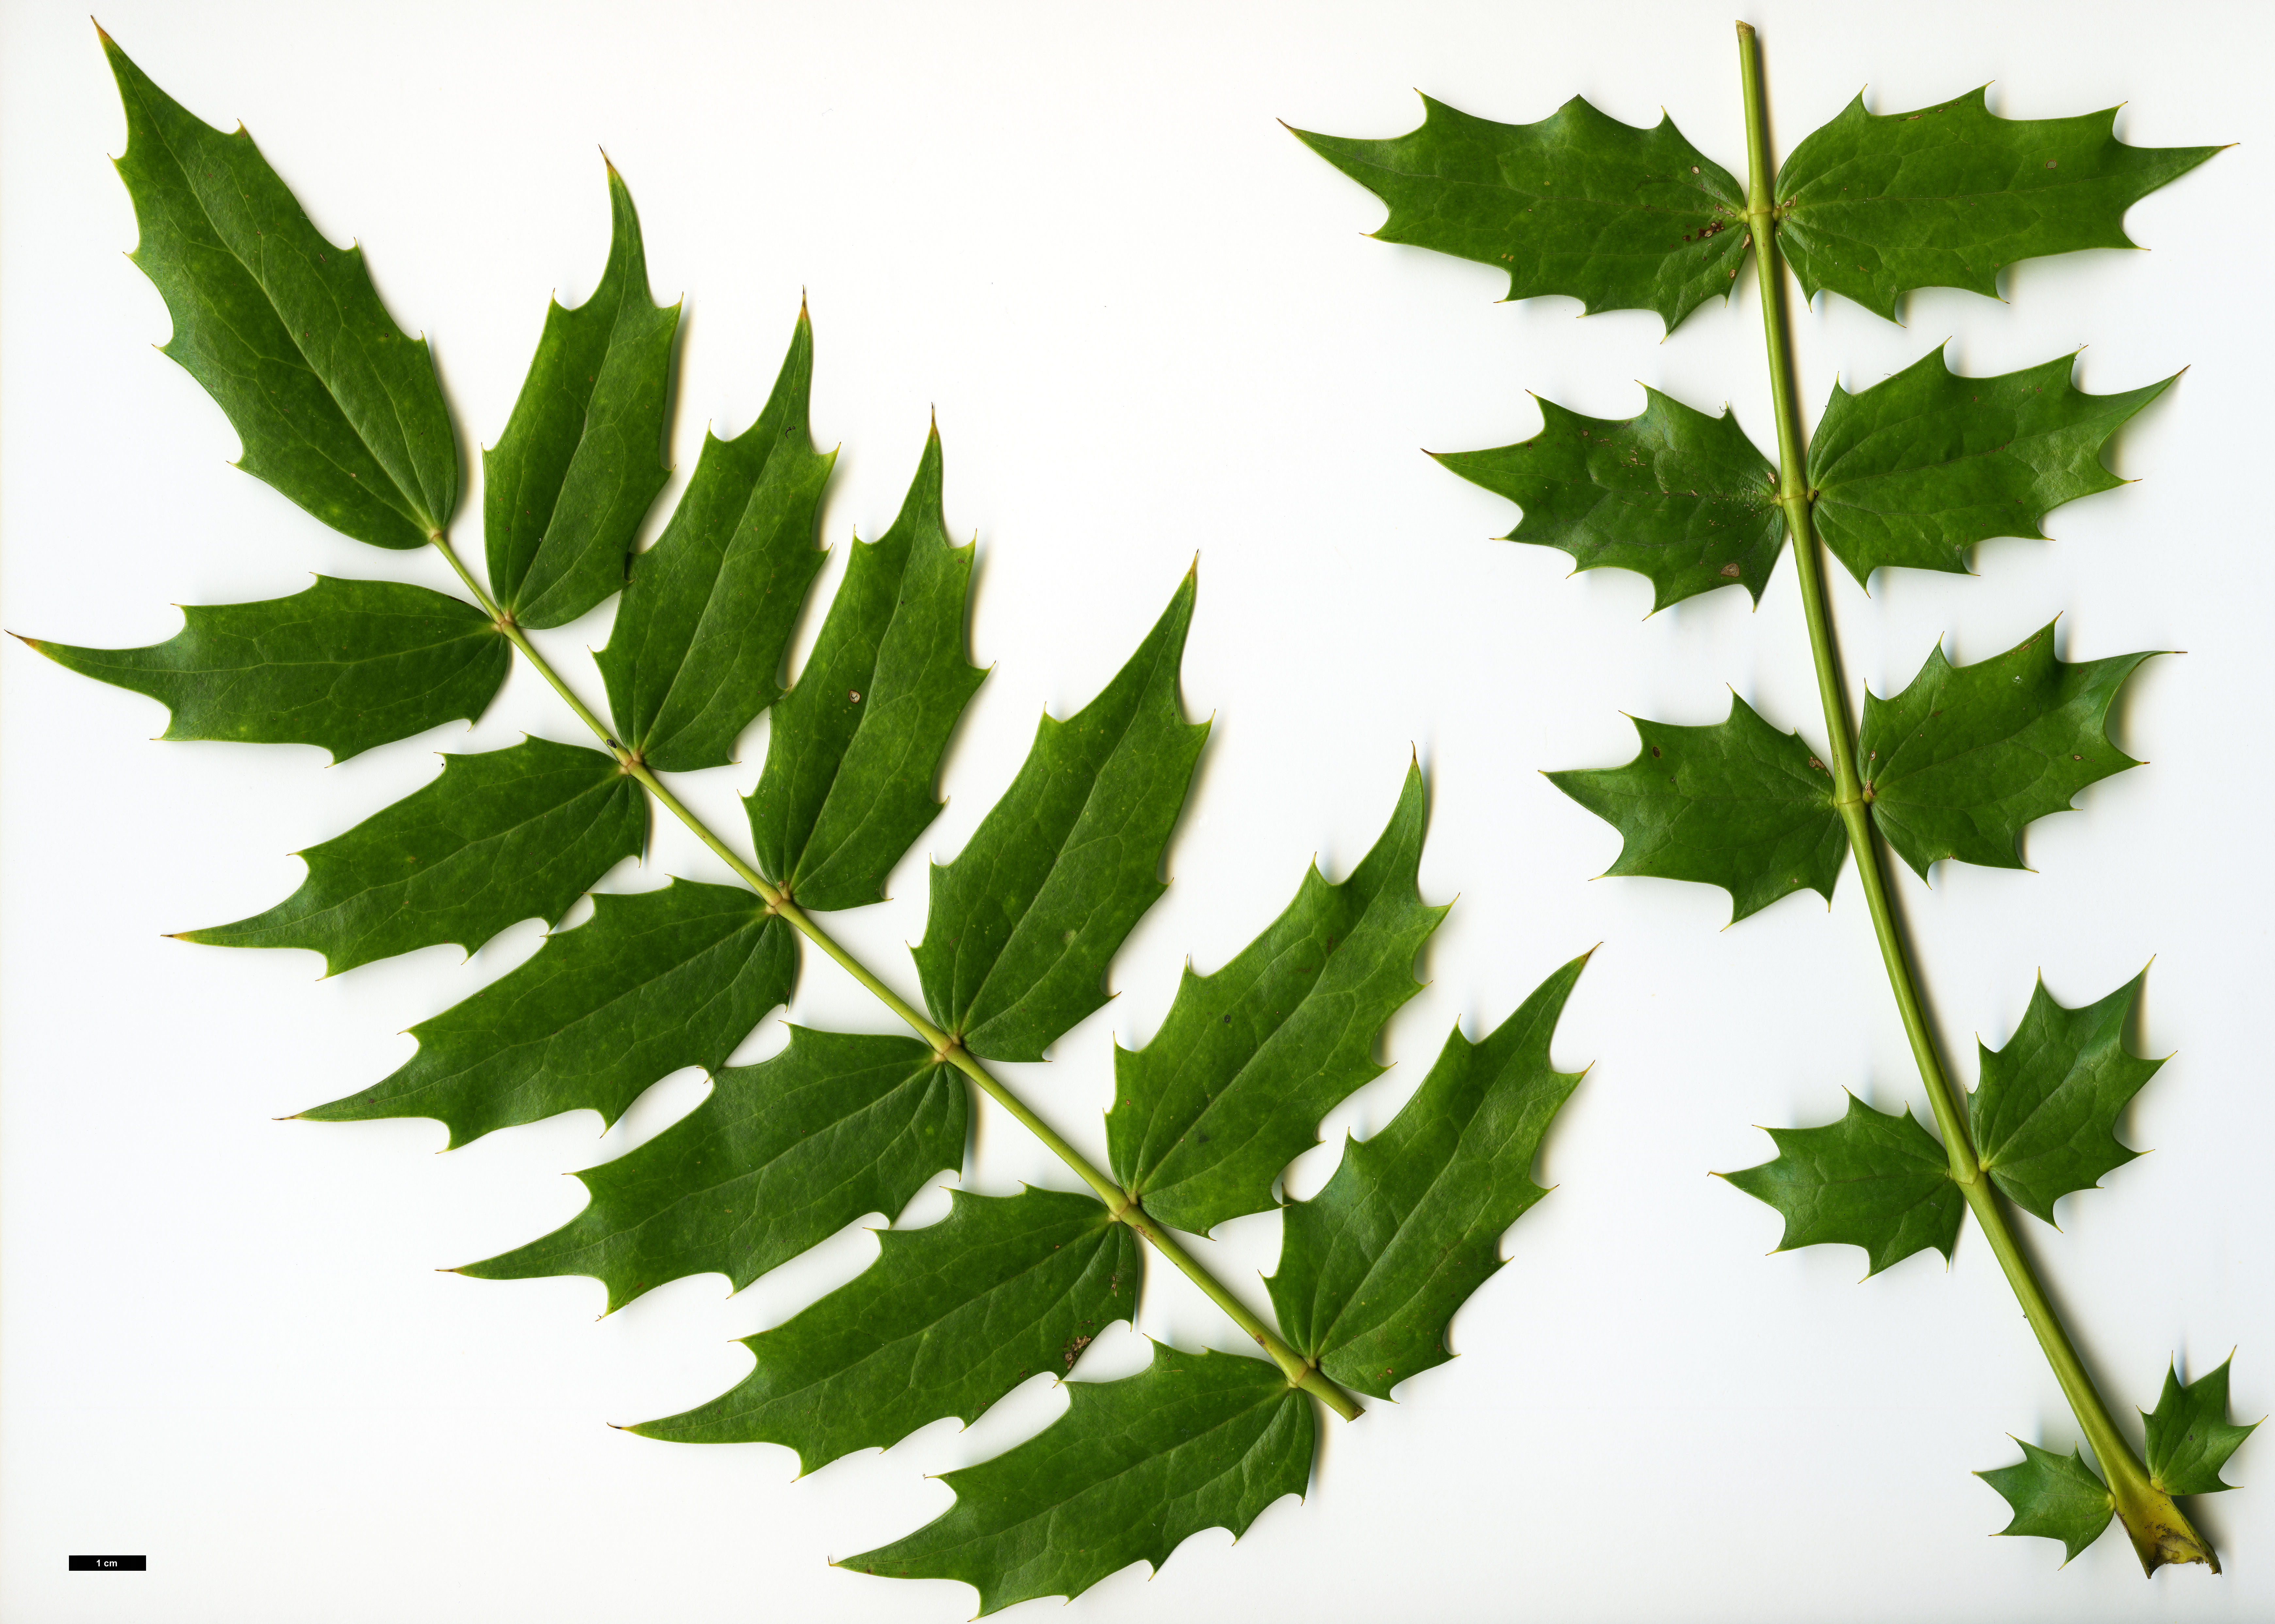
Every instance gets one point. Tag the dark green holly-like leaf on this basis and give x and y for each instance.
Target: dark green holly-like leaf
(699, 641)
(1025, 919)
(1920, 467)
(654, 981)
(1233, 1086)
(336, 407)
(1679, 497)
(1958, 762)
(1737, 805)
(1132, 1469)
(2189, 1434)
(1874, 205)
(505, 835)
(1869, 1179)
(949, 1319)
(1620, 218)
(2055, 1497)
(581, 458)
(1372, 1267)
(779, 1156)
(855, 747)
(2044, 1112)
(345, 666)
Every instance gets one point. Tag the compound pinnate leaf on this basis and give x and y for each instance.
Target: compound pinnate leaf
(1372, 1268)
(1679, 497)
(1961, 760)
(1918, 468)
(344, 665)
(582, 455)
(2189, 1434)
(2053, 1497)
(1871, 1179)
(779, 1156)
(1233, 1086)
(949, 1319)
(651, 982)
(1737, 805)
(1025, 919)
(1132, 1469)
(2044, 1112)
(1874, 205)
(502, 836)
(1618, 217)
(336, 407)
(854, 748)
(699, 641)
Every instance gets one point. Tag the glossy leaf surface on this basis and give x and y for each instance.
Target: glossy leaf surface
(1679, 497)
(778, 1158)
(2053, 1497)
(1132, 1469)
(1737, 805)
(651, 982)
(581, 458)
(344, 665)
(1874, 205)
(336, 407)
(2044, 1112)
(1232, 1088)
(697, 651)
(1372, 1268)
(1618, 217)
(2189, 1434)
(1920, 467)
(1966, 756)
(1872, 1180)
(502, 836)
(949, 1318)
(853, 750)
(1025, 919)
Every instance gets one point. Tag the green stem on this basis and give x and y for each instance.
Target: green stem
(2159, 1533)
(1300, 1372)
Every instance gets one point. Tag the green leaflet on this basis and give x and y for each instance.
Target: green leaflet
(1961, 760)
(505, 835)
(1373, 1266)
(1025, 919)
(654, 981)
(336, 406)
(854, 748)
(1875, 204)
(2055, 1497)
(1679, 497)
(2044, 1111)
(2189, 1434)
(1130, 1471)
(343, 665)
(778, 1158)
(566, 486)
(1869, 1179)
(949, 1319)
(1233, 1086)
(1737, 805)
(699, 641)
(1620, 218)
(1920, 467)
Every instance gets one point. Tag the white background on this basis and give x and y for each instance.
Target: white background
(1152, 326)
